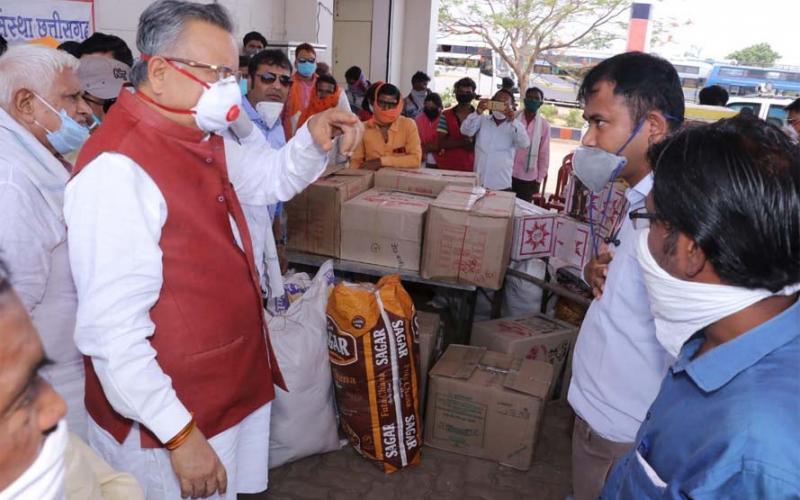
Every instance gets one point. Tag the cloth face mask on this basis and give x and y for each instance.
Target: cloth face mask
(44, 479)
(682, 308)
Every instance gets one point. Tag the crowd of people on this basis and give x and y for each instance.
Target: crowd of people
(142, 232)
(507, 147)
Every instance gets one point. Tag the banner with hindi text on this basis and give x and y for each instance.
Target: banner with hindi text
(22, 21)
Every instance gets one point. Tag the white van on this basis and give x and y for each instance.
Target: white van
(771, 109)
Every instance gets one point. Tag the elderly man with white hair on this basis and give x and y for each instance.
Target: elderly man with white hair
(40, 101)
(182, 373)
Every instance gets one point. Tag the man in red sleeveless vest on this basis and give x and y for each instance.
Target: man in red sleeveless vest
(170, 316)
(457, 151)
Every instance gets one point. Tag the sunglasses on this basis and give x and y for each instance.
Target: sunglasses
(268, 78)
(387, 104)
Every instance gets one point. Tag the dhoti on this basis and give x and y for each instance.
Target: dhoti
(243, 449)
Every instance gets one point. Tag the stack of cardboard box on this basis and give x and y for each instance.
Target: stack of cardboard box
(536, 337)
(573, 236)
(315, 214)
(424, 181)
(384, 228)
(468, 236)
(467, 230)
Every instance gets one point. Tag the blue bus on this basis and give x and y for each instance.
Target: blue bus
(748, 80)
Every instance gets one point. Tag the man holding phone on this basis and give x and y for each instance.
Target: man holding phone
(497, 137)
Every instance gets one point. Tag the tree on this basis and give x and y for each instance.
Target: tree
(522, 31)
(760, 54)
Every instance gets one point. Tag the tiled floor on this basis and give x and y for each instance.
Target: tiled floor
(344, 475)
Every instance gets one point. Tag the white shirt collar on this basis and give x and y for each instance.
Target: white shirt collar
(639, 192)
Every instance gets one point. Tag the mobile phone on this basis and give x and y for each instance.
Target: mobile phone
(496, 106)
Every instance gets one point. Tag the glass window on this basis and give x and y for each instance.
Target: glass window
(754, 107)
(683, 68)
(731, 72)
(756, 73)
(776, 115)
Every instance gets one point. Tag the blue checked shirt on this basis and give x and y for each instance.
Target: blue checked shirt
(724, 425)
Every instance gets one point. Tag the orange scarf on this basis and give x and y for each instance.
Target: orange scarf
(318, 105)
(294, 102)
(382, 116)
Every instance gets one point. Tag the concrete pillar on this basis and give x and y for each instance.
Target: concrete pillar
(639, 27)
(418, 48)
(403, 40)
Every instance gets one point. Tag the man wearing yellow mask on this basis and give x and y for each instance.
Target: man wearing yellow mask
(390, 140)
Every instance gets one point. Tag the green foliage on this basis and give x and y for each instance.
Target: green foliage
(575, 118)
(520, 31)
(549, 112)
(760, 54)
(448, 98)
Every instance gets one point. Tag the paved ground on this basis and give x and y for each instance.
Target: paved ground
(344, 475)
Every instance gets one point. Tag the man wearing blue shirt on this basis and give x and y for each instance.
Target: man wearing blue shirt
(721, 262)
(630, 101)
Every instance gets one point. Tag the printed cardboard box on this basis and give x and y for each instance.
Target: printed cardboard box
(426, 181)
(486, 404)
(607, 207)
(534, 231)
(536, 337)
(572, 245)
(384, 228)
(468, 236)
(314, 215)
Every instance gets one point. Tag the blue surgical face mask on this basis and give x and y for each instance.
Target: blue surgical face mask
(306, 68)
(243, 86)
(70, 136)
(96, 122)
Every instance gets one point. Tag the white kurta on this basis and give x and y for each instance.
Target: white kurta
(495, 147)
(115, 213)
(33, 241)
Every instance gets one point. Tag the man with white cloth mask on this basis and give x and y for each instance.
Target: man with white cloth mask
(181, 372)
(33, 432)
(270, 74)
(39, 459)
(40, 113)
(719, 249)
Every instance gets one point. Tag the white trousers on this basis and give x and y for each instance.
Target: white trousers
(243, 450)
